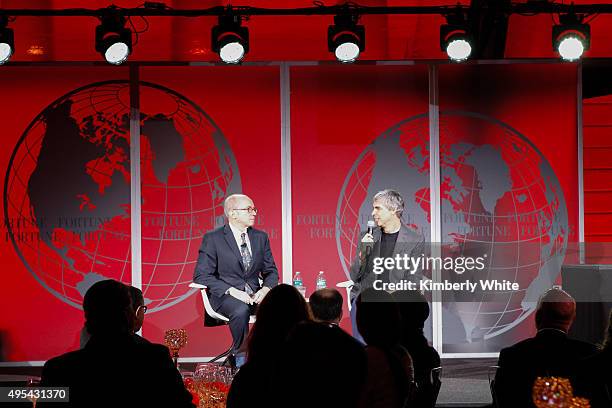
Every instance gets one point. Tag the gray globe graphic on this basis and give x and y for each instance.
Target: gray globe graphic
(67, 191)
(499, 198)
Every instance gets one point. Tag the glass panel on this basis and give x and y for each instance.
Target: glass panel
(509, 195)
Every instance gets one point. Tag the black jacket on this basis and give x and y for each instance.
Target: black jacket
(409, 242)
(550, 353)
(117, 372)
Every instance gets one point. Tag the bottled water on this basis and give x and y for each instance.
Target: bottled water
(297, 280)
(321, 281)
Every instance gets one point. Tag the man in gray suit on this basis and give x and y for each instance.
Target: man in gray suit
(390, 239)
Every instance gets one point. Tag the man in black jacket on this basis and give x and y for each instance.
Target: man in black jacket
(392, 238)
(550, 353)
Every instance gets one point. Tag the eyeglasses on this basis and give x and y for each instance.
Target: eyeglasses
(251, 210)
(144, 309)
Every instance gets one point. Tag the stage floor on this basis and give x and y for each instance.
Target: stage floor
(465, 382)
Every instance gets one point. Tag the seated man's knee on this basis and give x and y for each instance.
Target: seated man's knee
(241, 311)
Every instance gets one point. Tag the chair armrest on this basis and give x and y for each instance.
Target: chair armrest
(207, 306)
(345, 284)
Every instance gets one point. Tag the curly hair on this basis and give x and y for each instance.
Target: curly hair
(392, 200)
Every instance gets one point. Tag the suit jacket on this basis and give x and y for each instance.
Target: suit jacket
(120, 371)
(220, 263)
(408, 242)
(550, 353)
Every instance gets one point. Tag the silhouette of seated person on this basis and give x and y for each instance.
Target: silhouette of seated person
(390, 372)
(320, 366)
(137, 302)
(550, 353)
(114, 369)
(594, 377)
(414, 311)
(326, 306)
(279, 312)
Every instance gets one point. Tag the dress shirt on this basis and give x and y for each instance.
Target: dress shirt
(238, 236)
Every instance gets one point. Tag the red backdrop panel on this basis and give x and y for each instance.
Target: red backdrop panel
(206, 133)
(65, 190)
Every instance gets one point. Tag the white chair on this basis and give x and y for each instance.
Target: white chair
(491, 372)
(208, 309)
(347, 285)
(212, 318)
(436, 381)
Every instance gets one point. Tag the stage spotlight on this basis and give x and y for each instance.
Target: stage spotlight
(571, 38)
(345, 38)
(455, 38)
(229, 39)
(7, 44)
(113, 39)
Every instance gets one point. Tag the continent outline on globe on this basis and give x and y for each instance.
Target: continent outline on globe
(400, 153)
(185, 160)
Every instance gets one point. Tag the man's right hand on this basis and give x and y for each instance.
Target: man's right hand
(240, 295)
(367, 238)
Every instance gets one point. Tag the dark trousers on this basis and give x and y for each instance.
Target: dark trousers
(238, 314)
(356, 333)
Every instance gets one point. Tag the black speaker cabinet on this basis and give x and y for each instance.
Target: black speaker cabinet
(591, 286)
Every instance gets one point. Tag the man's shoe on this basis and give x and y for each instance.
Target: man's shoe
(240, 359)
(230, 361)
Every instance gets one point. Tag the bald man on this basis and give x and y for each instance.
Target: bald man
(232, 258)
(550, 353)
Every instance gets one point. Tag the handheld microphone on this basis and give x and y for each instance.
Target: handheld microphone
(371, 225)
(368, 247)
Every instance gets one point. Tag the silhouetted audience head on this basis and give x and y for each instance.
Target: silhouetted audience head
(413, 307)
(108, 309)
(556, 310)
(281, 309)
(326, 305)
(378, 318)
(138, 306)
(327, 365)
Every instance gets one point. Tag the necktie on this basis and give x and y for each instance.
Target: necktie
(246, 261)
(244, 251)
